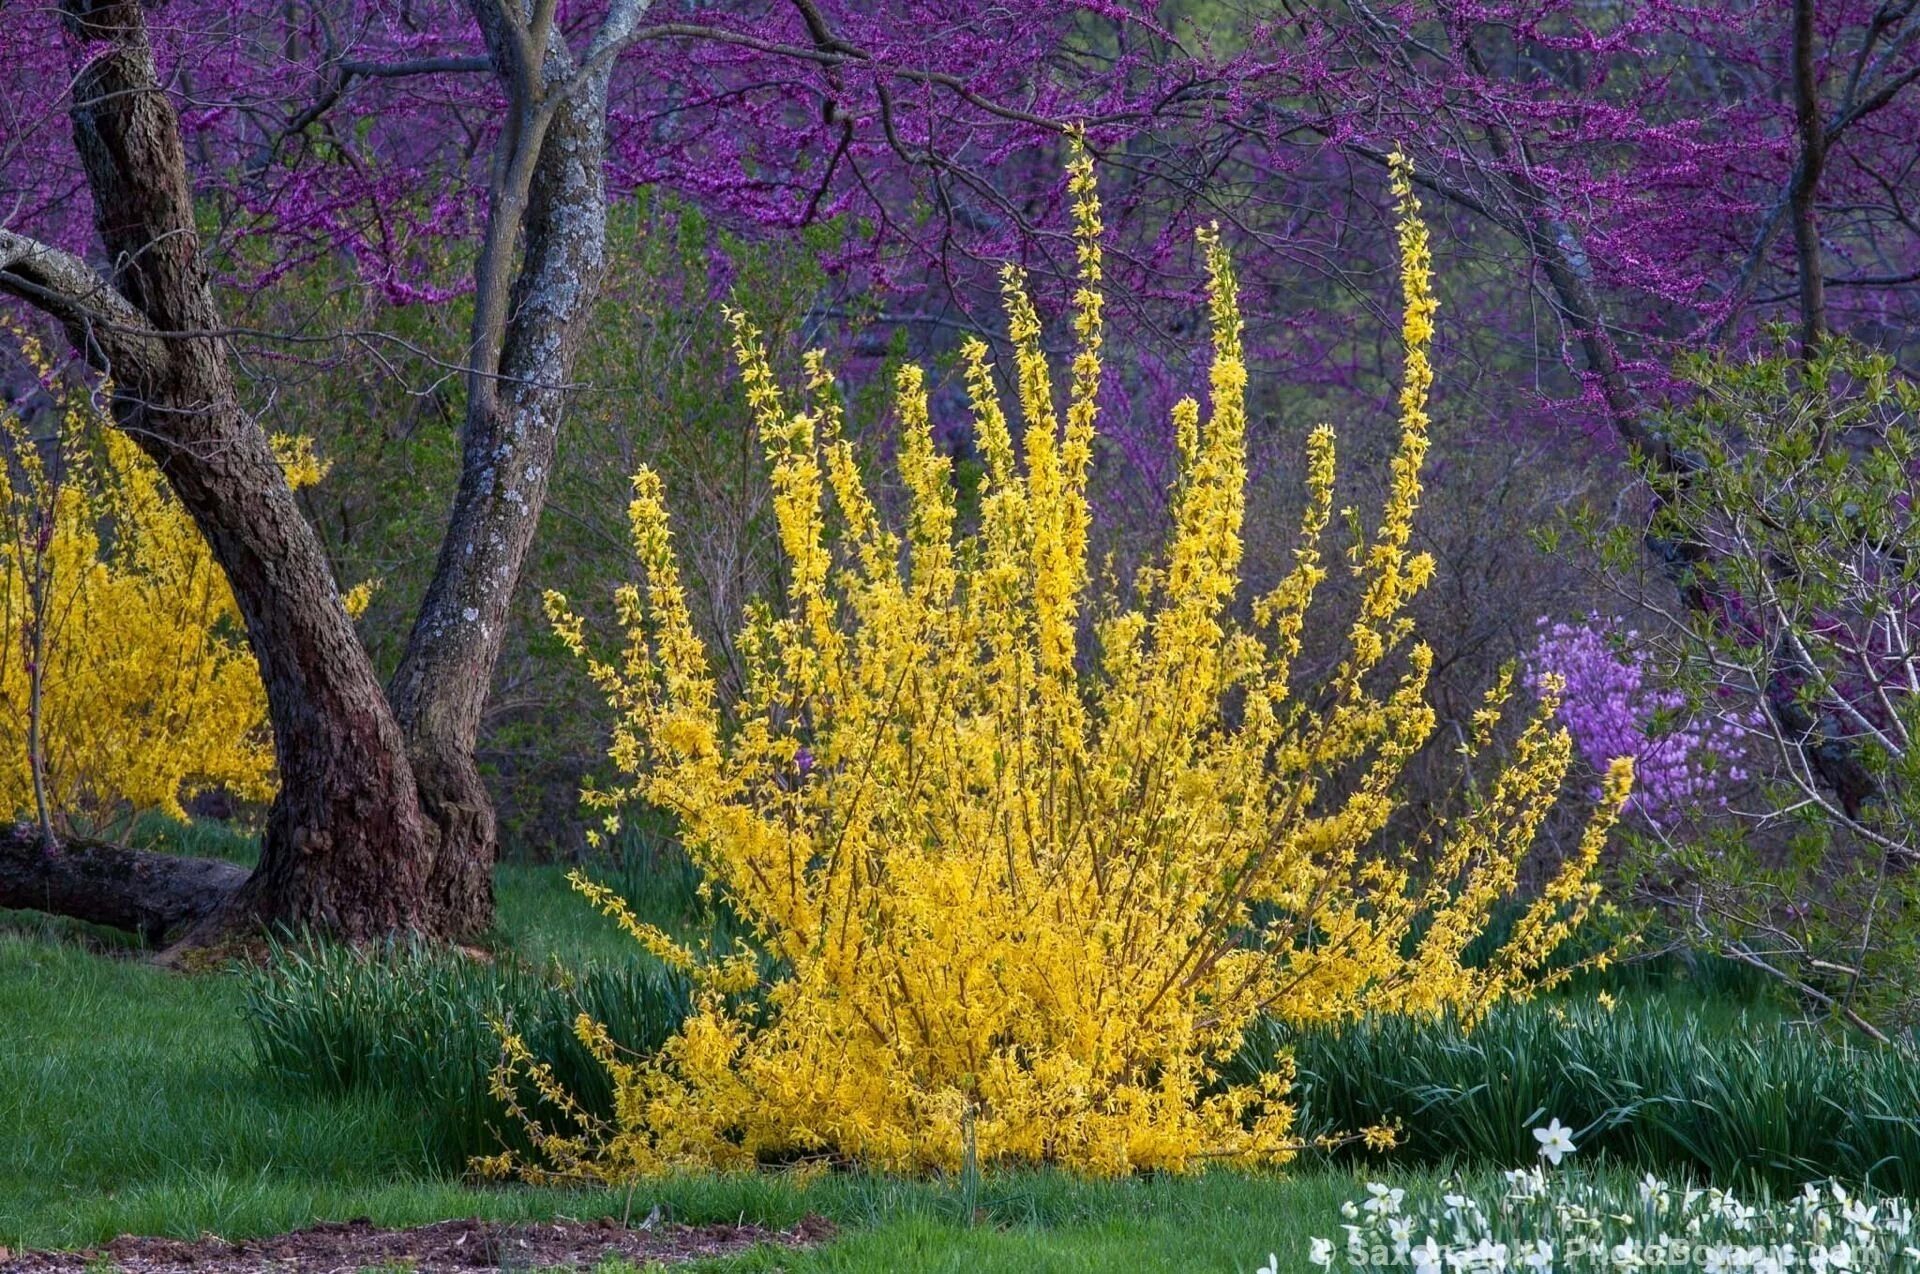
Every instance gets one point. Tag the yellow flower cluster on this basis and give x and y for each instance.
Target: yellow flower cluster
(148, 692)
(1021, 875)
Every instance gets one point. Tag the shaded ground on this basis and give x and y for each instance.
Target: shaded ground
(449, 1247)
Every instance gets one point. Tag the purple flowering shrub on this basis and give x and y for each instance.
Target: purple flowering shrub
(1614, 703)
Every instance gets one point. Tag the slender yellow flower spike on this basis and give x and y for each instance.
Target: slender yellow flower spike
(1023, 863)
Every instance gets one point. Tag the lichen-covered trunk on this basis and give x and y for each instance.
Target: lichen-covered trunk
(345, 844)
(526, 339)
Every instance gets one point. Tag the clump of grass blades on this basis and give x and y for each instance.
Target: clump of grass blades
(1751, 1102)
(417, 1024)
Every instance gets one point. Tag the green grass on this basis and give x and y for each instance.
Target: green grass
(126, 1103)
(1028, 1222)
(1735, 1101)
(1696, 1072)
(129, 1103)
(541, 917)
(418, 1024)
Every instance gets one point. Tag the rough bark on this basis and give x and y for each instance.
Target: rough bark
(548, 194)
(344, 847)
(150, 894)
(1805, 187)
(383, 822)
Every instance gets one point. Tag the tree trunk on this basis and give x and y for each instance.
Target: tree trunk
(344, 849)
(382, 822)
(1805, 187)
(148, 894)
(548, 192)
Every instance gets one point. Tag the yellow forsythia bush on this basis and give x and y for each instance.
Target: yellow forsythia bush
(148, 692)
(1024, 864)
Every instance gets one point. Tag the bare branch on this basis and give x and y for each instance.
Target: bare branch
(417, 66)
(101, 322)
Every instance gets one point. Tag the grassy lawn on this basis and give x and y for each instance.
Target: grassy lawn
(1222, 1221)
(128, 1104)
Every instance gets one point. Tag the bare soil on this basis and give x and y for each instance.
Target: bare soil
(448, 1247)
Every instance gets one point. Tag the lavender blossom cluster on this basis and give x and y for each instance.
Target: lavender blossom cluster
(1613, 703)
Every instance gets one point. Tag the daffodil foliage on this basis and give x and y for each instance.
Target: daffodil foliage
(1024, 860)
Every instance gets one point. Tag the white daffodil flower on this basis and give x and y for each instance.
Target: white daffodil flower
(1556, 1141)
(1383, 1198)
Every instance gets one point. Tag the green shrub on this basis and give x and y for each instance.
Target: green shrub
(1798, 502)
(1654, 1090)
(416, 1023)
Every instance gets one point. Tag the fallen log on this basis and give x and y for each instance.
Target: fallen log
(135, 890)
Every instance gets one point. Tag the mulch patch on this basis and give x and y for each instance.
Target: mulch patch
(449, 1247)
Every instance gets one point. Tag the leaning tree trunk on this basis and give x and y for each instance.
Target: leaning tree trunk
(345, 842)
(382, 822)
(549, 193)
